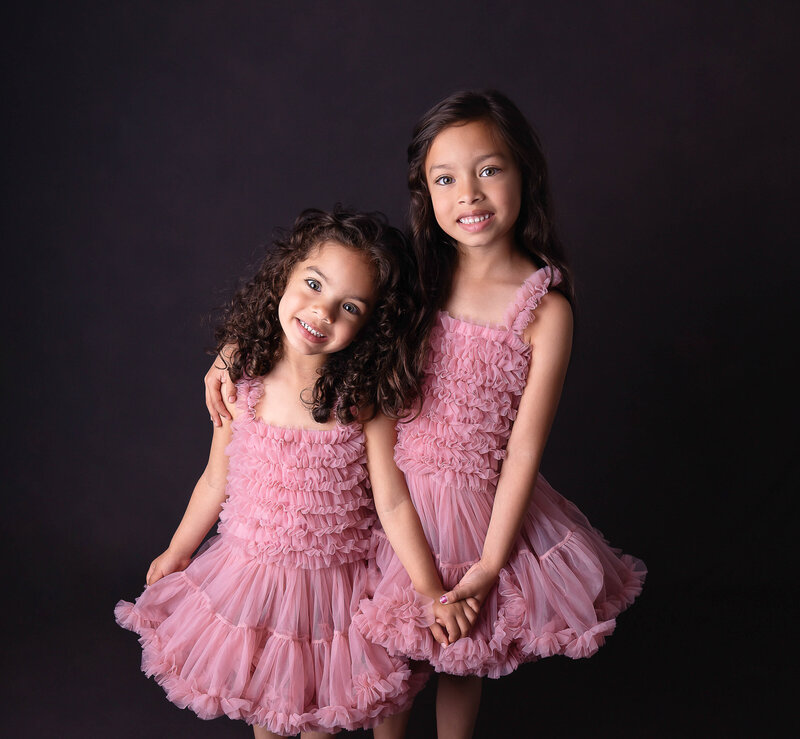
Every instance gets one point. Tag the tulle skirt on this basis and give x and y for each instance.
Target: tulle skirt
(559, 593)
(267, 644)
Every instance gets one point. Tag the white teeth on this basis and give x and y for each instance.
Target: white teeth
(473, 219)
(310, 330)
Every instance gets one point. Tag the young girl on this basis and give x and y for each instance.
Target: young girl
(540, 580)
(545, 582)
(258, 625)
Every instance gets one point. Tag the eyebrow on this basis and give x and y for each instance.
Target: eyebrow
(312, 268)
(493, 155)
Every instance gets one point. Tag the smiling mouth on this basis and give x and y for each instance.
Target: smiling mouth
(471, 220)
(311, 330)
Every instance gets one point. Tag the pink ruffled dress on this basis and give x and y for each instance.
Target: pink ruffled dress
(258, 626)
(563, 584)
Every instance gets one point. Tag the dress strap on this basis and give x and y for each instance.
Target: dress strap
(520, 312)
(248, 392)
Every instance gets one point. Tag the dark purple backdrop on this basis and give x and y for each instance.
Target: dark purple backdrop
(152, 148)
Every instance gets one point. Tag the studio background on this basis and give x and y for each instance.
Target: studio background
(151, 150)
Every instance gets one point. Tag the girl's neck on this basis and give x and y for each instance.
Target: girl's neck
(489, 262)
(298, 369)
(286, 387)
(485, 281)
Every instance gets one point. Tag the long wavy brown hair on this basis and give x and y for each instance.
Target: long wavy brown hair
(380, 369)
(535, 231)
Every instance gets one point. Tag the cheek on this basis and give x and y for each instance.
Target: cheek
(284, 307)
(438, 206)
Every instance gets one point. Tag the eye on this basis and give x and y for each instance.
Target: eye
(313, 284)
(489, 171)
(351, 308)
(444, 179)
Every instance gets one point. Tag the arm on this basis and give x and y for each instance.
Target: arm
(201, 512)
(551, 336)
(215, 380)
(401, 524)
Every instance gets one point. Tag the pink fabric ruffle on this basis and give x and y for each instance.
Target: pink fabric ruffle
(277, 648)
(259, 626)
(559, 593)
(520, 312)
(563, 585)
(300, 496)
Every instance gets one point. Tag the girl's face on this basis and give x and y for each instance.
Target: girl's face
(328, 298)
(475, 185)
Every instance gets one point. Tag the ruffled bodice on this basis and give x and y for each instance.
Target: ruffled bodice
(297, 497)
(473, 382)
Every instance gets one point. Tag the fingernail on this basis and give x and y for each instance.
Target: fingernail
(443, 599)
(231, 399)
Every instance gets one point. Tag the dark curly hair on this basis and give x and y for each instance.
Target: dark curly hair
(378, 370)
(535, 232)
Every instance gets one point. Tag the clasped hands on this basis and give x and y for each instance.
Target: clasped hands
(457, 610)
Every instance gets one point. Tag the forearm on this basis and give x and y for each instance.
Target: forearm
(511, 502)
(396, 510)
(404, 531)
(201, 514)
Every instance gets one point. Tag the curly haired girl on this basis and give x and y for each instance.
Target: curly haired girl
(258, 625)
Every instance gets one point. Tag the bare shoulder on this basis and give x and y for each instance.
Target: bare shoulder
(552, 322)
(377, 424)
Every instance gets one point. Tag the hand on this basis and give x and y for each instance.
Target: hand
(452, 621)
(217, 381)
(473, 587)
(165, 564)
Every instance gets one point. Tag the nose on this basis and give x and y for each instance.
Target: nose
(470, 191)
(323, 311)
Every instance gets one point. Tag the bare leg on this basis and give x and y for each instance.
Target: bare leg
(457, 702)
(393, 727)
(261, 733)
